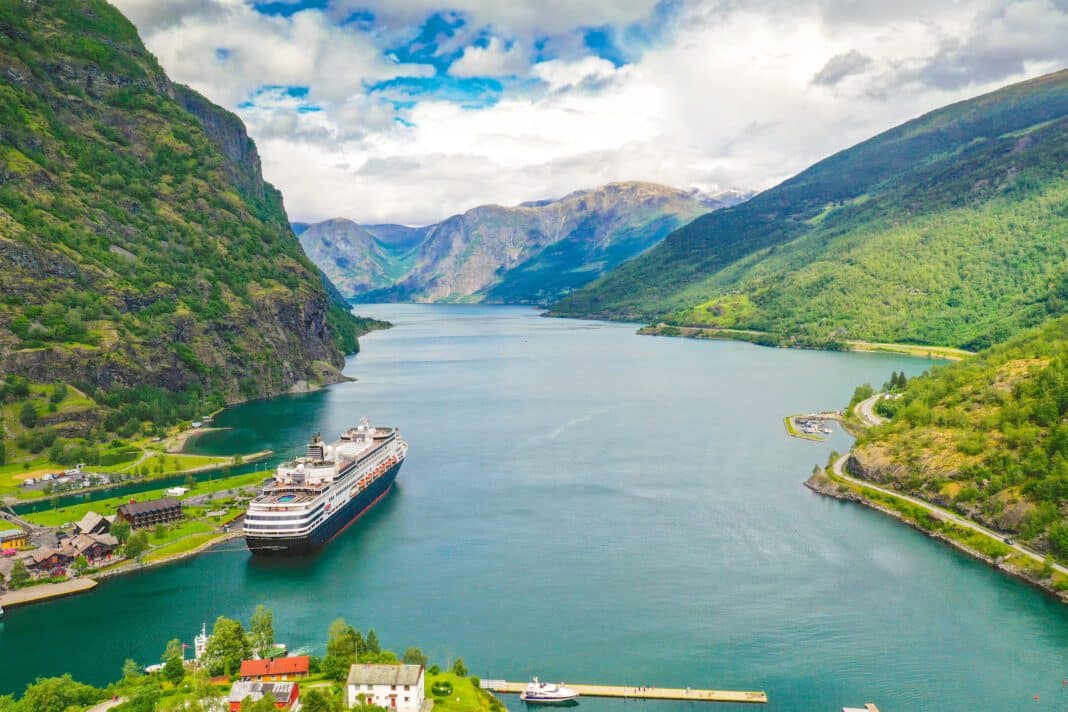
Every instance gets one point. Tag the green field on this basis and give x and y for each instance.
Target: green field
(72, 513)
(465, 696)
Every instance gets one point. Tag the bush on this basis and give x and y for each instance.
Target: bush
(28, 415)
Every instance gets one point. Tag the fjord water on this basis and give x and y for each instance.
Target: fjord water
(589, 505)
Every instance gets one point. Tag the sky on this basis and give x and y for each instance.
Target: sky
(409, 111)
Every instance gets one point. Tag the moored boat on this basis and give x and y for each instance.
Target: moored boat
(548, 693)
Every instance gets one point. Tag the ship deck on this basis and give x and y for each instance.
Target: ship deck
(286, 495)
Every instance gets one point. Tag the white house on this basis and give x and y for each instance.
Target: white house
(395, 687)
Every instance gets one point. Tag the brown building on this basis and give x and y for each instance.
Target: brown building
(151, 513)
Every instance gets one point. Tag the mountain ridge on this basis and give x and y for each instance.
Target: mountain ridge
(836, 251)
(526, 253)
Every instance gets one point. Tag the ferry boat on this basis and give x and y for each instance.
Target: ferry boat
(313, 498)
(547, 693)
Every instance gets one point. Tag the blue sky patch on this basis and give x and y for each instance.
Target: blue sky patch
(287, 8)
(469, 92)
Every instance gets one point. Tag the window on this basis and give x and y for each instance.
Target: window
(407, 687)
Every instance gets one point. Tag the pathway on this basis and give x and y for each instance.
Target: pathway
(865, 410)
(941, 514)
(106, 705)
(45, 590)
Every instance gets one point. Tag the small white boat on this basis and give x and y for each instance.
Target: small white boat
(1, 611)
(547, 693)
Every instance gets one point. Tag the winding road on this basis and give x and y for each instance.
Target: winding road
(865, 410)
(939, 513)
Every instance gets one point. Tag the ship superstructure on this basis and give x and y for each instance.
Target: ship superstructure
(316, 496)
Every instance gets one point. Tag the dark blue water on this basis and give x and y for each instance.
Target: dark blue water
(594, 506)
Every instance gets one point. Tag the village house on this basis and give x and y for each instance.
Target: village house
(151, 512)
(13, 539)
(285, 694)
(47, 561)
(275, 670)
(93, 523)
(396, 687)
(96, 548)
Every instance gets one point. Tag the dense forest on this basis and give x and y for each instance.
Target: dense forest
(987, 436)
(951, 229)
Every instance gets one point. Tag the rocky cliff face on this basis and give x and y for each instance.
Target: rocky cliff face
(139, 243)
(530, 253)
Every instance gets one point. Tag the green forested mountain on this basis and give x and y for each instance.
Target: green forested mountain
(139, 244)
(528, 253)
(950, 229)
(987, 436)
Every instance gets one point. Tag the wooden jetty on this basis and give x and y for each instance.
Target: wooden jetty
(639, 693)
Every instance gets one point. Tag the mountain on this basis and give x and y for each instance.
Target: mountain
(987, 436)
(139, 244)
(532, 252)
(949, 229)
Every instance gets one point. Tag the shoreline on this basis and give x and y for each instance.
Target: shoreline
(762, 338)
(823, 483)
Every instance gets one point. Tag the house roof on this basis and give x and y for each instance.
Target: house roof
(256, 690)
(89, 522)
(83, 542)
(384, 674)
(133, 509)
(278, 666)
(11, 534)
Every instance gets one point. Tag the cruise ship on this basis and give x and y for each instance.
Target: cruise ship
(315, 497)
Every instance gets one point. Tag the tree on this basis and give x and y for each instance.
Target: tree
(159, 531)
(227, 646)
(341, 641)
(320, 701)
(59, 392)
(334, 667)
(458, 668)
(20, 575)
(120, 530)
(28, 415)
(414, 656)
(262, 629)
(131, 670)
(145, 699)
(372, 643)
(174, 670)
(136, 545)
(81, 564)
(174, 649)
(3, 453)
(264, 704)
(56, 694)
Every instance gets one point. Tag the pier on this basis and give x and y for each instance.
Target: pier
(639, 693)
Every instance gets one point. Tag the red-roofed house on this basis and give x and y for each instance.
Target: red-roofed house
(275, 670)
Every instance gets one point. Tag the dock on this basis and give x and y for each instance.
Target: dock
(45, 591)
(639, 693)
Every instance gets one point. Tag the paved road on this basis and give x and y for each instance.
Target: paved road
(865, 410)
(839, 470)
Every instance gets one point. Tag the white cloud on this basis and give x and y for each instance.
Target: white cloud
(729, 94)
(494, 60)
(563, 74)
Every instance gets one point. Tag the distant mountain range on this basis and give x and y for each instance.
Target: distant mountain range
(530, 253)
(949, 229)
